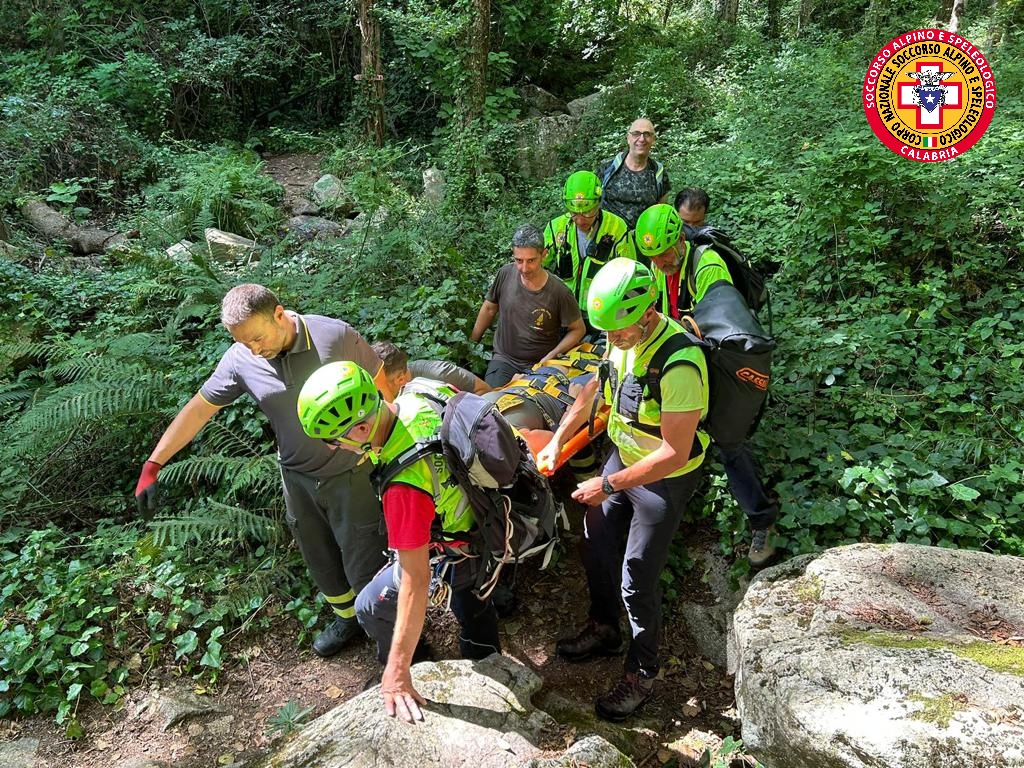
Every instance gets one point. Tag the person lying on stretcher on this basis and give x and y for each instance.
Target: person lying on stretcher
(535, 402)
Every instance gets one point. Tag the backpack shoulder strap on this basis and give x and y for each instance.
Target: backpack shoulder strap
(660, 364)
(659, 177)
(385, 473)
(696, 251)
(612, 168)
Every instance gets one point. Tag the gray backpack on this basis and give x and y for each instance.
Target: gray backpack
(516, 513)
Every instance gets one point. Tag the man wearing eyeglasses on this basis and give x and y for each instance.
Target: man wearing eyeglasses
(534, 308)
(330, 506)
(584, 238)
(633, 181)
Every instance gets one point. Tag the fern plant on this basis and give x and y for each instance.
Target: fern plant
(216, 522)
(220, 187)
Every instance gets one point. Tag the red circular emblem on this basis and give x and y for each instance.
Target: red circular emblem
(929, 95)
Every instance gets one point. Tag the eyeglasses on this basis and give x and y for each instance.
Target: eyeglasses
(649, 135)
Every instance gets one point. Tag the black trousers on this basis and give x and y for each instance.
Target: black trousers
(647, 517)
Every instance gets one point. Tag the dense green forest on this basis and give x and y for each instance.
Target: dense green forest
(897, 408)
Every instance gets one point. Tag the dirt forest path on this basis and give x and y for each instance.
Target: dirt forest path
(295, 172)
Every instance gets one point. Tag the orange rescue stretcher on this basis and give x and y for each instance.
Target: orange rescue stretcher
(577, 442)
(581, 358)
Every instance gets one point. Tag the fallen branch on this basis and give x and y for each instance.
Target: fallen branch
(56, 226)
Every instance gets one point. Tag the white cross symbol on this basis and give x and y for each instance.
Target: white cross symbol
(926, 119)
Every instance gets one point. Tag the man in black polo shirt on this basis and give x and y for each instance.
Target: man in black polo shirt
(331, 508)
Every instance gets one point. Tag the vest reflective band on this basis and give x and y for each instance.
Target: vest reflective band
(418, 420)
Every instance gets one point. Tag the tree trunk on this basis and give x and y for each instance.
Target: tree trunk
(771, 22)
(56, 226)
(955, 14)
(995, 27)
(476, 63)
(668, 12)
(727, 10)
(806, 10)
(371, 75)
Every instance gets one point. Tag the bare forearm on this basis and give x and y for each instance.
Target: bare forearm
(577, 413)
(412, 610)
(679, 430)
(572, 337)
(484, 318)
(186, 425)
(656, 466)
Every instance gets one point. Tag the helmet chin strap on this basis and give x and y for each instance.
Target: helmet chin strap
(366, 447)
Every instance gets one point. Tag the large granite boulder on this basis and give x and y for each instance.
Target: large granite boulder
(542, 143)
(478, 715)
(894, 656)
(228, 247)
(537, 102)
(708, 616)
(329, 194)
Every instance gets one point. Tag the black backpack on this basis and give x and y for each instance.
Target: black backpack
(515, 511)
(748, 280)
(739, 358)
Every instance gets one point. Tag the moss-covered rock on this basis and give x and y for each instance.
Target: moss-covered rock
(900, 656)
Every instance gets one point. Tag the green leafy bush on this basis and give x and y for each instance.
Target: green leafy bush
(62, 135)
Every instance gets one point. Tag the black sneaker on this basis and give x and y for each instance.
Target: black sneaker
(336, 636)
(625, 698)
(761, 548)
(593, 639)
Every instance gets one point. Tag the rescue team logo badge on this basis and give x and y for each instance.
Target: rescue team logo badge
(929, 95)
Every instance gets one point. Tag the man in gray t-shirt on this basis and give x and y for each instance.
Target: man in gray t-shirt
(399, 370)
(330, 506)
(535, 307)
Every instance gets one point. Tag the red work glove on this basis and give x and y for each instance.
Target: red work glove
(146, 490)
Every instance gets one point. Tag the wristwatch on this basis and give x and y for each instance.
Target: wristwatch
(606, 486)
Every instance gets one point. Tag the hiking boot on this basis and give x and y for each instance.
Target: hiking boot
(593, 639)
(336, 636)
(626, 697)
(761, 548)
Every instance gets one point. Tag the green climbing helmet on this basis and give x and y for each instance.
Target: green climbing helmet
(658, 229)
(335, 398)
(620, 293)
(582, 192)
